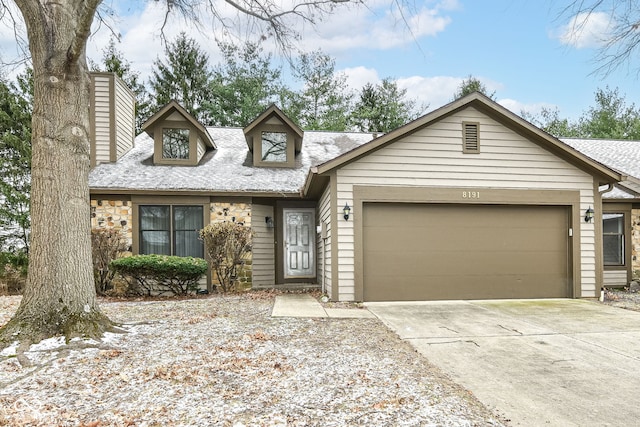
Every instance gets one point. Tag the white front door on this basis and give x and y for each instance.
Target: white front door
(299, 243)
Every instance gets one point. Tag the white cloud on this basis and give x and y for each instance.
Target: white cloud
(141, 38)
(518, 107)
(586, 30)
(437, 91)
(377, 27)
(357, 77)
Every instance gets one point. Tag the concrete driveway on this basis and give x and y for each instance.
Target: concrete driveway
(536, 362)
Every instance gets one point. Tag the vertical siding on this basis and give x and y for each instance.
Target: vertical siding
(125, 116)
(263, 247)
(433, 157)
(102, 125)
(324, 245)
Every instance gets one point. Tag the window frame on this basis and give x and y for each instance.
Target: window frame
(262, 146)
(178, 130)
(158, 144)
(138, 243)
(621, 245)
(255, 137)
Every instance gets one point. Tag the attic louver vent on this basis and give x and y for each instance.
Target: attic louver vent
(471, 137)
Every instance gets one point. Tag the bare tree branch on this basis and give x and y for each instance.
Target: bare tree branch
(621, 45)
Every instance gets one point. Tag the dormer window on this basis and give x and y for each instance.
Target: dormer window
(273, 139)
(178, 138)
(274, 147)
(175, 143)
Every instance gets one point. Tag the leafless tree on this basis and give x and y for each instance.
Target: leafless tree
(620, 45)
(60, 297)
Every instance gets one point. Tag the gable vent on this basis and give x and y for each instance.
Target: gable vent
(471, 137)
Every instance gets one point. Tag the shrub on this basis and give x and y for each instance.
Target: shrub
(160, 273)
(13, 271)
(227, 245)
(106, 245)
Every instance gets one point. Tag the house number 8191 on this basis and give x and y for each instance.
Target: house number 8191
(470, 194)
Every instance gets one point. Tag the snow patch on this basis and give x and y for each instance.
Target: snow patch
(10, 351)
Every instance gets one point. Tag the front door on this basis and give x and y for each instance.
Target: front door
(299, 246)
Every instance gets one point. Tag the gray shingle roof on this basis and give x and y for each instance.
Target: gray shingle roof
(229, 168)
(620, 155)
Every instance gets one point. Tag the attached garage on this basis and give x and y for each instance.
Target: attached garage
(468, 202)
(414, 251)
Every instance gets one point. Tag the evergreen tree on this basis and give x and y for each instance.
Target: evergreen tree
(15, 162)
(383, 107)
(324, 103)
(113, 61)
(243, 86)
(185, 77)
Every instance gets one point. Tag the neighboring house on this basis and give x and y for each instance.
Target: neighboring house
(467, 202)
(621, 207)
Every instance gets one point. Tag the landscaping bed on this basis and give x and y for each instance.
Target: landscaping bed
(223, 361)
(622, 298)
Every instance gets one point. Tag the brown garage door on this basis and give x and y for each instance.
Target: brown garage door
(435, 252)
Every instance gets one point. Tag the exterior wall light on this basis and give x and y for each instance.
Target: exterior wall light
(588, 215)
(269, 221)
(346, 210)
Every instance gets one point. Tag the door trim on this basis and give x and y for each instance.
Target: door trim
(312, 242)
(279, 240)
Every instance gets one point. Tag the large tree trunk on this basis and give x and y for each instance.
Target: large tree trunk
(59, 298)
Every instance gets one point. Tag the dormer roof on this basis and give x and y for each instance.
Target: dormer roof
(274, 116)
(168, 112)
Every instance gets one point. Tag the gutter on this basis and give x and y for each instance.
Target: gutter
(307, 182)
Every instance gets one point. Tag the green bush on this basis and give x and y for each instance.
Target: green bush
(147, 274)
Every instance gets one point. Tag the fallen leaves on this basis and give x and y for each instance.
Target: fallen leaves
(223, 360)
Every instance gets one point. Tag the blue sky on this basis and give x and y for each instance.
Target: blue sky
(519, 48)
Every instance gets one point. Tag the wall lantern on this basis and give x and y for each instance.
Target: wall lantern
(269, 221)
(346, 210)
(588, 215)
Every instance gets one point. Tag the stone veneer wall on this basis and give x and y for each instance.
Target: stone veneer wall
(116, 214)
(240, 213)
(635, 243)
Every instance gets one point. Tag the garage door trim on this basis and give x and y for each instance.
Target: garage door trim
(465, 195)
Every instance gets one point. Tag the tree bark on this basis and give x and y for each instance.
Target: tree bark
(59, 298)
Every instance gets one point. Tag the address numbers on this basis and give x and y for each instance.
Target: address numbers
(470, 194)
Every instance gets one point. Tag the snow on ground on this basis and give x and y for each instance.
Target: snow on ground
(223, 361)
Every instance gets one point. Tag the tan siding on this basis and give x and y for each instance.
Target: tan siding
(201, 149)
(102, 121)
(615, 278)
(263, 247)
(324, 245)
(125, 111)
(433, 157)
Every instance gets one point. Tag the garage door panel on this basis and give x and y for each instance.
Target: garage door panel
(420, 251)
(470, 288)
(461, 263)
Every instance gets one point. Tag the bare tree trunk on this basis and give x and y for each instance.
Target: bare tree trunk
(59, 298)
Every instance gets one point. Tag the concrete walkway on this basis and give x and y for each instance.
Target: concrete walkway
(536, 362)
(304, 305)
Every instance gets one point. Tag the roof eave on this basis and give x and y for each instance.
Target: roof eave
(495, 110)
